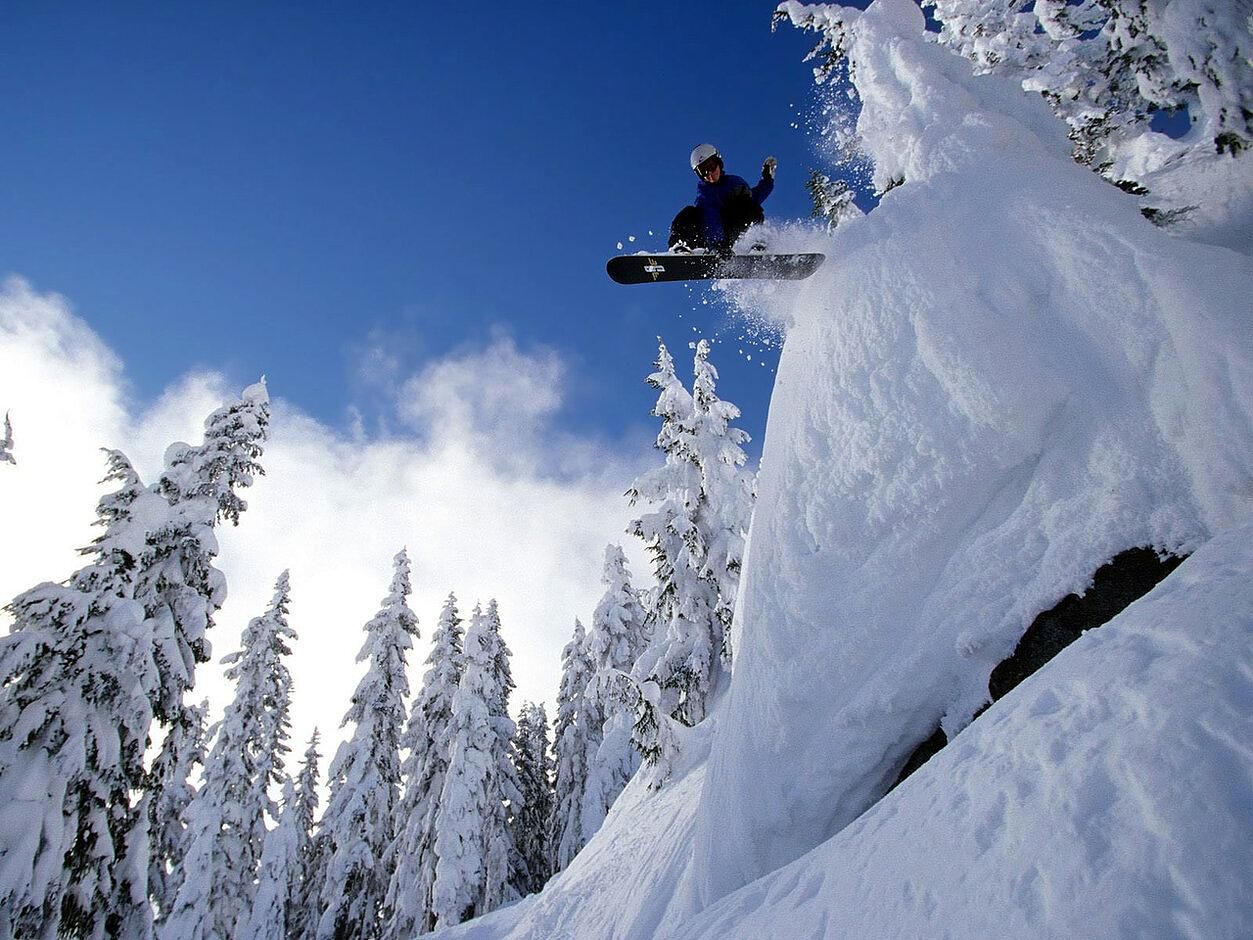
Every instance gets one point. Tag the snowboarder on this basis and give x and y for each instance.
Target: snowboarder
(725, 205)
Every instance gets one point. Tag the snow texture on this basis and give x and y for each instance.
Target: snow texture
(1074, 807)
(1002, 377)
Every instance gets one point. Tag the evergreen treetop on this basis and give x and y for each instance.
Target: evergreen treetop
(365, 775)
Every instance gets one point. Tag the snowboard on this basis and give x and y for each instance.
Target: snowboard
(647, 269)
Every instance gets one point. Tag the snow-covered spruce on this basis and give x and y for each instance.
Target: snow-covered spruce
(357, 829)
(1107, 68)
(702, 503)
(682, 654)
(507, 759)
(226, 818)
(531, 825)
(280, 858)
(618, 637)
(302, 902)
(726, 506)
(473, 844)
(154, 567)
(165, 803)
(412, 859)
(570, 750)
(177, 583)
(75, 713)
(180, 591)
(832, 199)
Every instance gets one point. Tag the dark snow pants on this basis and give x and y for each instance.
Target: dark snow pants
(737, 215)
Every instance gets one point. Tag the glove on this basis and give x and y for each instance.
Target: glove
(768, 168)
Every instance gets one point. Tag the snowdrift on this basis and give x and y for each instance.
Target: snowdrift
(1002, 377)
(1075, 807)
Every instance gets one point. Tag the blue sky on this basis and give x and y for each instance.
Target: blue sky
(277, 188)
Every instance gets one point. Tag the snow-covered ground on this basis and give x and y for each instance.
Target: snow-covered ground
(1002, 377)
(1107, 796)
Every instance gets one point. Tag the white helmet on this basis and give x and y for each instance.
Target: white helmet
(704, 152)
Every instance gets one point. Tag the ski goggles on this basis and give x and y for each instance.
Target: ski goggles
(704, 169)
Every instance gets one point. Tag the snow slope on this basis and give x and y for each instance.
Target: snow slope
(1002, 377)
(1073, 808)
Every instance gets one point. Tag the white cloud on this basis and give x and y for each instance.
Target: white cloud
(499, 394)
(528, 530)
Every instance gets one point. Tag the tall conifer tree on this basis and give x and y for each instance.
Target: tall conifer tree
(165, 804)
(226, 818)
(178, 585)
(727, 494)
(532, 824)
(473, 844)
(180, 591)
(684, 656)
(269, 918)
(427, 738)
(302, 888)
(75, 713)
(570, 747)
(702, 502)
(365, 776)
(153, 582)
(618, 637)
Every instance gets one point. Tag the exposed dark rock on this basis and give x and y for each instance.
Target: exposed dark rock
(1127, 578)
(923, 753)
(1124, 579)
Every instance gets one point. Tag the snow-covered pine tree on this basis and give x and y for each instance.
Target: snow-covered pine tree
(226, 817)
(832, 199)
(472, 841)
(76, 673)
(427, 739)
(570, 751)
(702, 499)
(268, 918)
(503, 858)
(686, 653)
(502, 672)
(532, 824)
(177, 583)
(302, 887)
(358, 826)
(6, 442)
(617, 638)
(165, 803)
(1044, 45)
(727, 490)
(1105, 66)
(180, 589)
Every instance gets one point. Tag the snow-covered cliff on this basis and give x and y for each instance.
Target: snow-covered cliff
(1002, 377)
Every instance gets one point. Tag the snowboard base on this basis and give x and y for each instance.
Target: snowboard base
(648, 269)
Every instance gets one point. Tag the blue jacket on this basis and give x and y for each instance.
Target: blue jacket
(711, 197)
